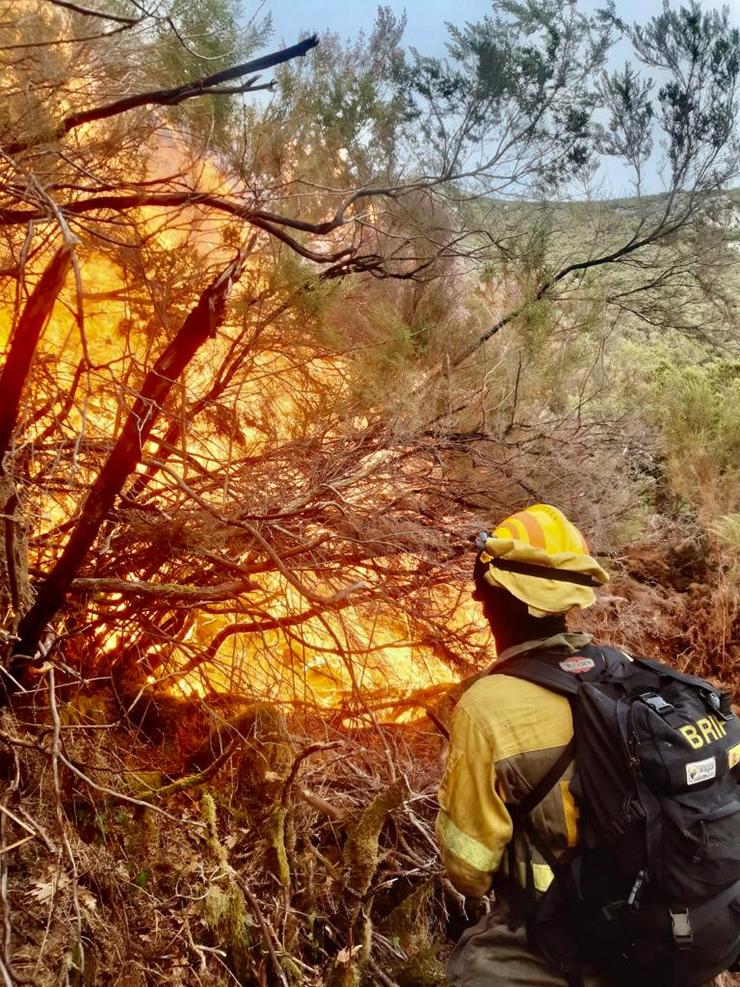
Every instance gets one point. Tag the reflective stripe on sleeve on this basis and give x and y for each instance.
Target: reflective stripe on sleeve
(542, 875)
(465, 847)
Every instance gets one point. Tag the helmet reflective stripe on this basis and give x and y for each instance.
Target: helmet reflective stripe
(528, 548)
(543, 526)
(523, 527)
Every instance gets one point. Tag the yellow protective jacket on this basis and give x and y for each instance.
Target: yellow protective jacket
(505, 735)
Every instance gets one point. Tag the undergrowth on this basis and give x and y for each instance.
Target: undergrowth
(307, 857)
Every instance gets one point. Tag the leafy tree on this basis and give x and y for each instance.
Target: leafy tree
(514, 110)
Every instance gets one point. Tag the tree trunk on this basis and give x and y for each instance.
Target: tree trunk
(198, 327)
(25, 339)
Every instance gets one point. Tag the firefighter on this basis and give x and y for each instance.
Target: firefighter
(506, 734)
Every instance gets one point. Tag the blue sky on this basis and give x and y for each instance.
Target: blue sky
(426, 31)
(426, 18)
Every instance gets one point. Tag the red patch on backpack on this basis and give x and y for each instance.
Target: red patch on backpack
(576, 665)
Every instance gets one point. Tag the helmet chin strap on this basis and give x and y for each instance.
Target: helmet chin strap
(544, 572)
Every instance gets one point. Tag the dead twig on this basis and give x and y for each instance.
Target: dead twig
(267, 933)
(13, 846)
(117, 796)
(19, 822)
(298, 760)
(191, 781)
(56, 754)
(320, 804)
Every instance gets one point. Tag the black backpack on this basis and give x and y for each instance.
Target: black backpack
(651, 896)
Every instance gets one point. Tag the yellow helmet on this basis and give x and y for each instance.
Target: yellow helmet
(541, 558)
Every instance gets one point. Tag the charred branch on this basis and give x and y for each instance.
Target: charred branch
(163, 593)
(200, 326)
(25, 339)
(205, 86)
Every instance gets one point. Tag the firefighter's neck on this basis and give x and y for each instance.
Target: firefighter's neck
(508, 634)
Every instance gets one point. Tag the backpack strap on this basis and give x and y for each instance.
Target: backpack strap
(520, 813)
(541, 673)
(666, 672)
(556, 680)
(563, 683)
(545, 785)
(524, 900)
(701, 915)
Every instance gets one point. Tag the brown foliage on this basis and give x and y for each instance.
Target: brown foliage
(253, 871)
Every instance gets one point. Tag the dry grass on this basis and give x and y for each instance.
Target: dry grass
(675, 596)
(309, 857)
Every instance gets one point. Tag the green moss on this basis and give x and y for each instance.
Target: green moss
(145, 782)
(238, 940)
(410, 924)
(406, 922)
(291, 969)
(267, 755)
(361, 849)
(214, 906)
(225, 910)
(275, 831)
(422, 969)
(361, 855)
(266, 759)
(345, 974)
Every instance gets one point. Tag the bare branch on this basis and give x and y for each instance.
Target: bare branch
(165, 593)
(25, 340)
(200, 325)
(79, 9)
(170, 97)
